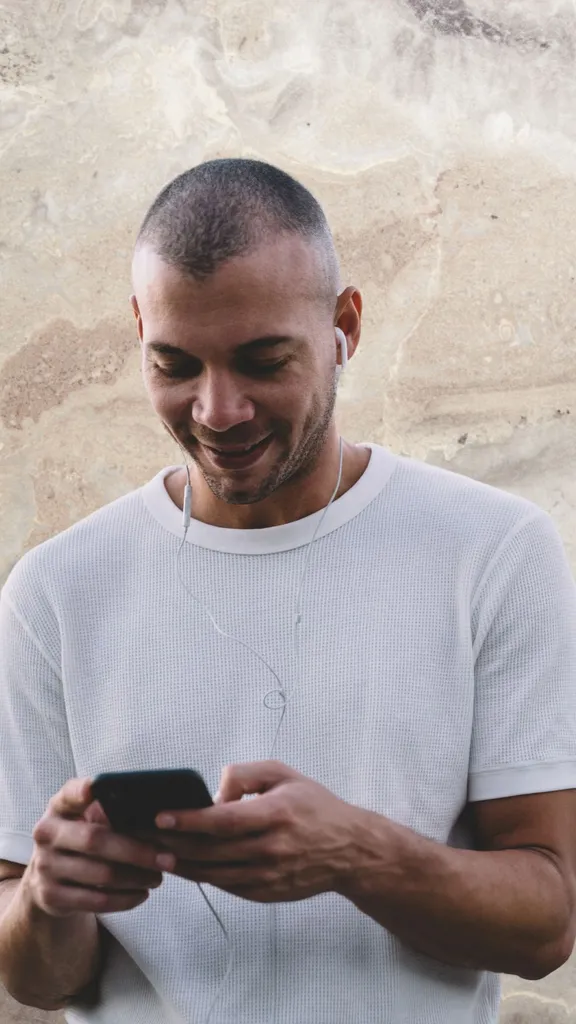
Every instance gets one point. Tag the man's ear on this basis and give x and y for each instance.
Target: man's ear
(136, 312)
(348, 316)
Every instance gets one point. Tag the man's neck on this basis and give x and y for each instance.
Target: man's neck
(294, 500)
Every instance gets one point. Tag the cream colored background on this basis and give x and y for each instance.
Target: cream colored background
(441, 139)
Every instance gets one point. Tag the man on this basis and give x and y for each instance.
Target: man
(406, 650)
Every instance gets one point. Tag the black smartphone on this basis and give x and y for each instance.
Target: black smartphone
(132, 800)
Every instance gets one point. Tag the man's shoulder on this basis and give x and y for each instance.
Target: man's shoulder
(457, 520)
(462, 501)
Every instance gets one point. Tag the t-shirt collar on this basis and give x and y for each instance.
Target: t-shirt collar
(272, 538)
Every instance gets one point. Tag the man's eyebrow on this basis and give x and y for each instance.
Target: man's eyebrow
(163, 348)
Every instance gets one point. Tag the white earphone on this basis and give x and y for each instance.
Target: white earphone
(343, 346)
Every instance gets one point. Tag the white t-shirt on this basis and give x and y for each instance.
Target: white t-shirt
(437, 665)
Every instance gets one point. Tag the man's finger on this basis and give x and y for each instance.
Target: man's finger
(206, 850)
(240, 780)
(73, 799)
(99, 843)
(223, 821)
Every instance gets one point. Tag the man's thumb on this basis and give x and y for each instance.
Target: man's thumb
(95, 814)
(240, 780)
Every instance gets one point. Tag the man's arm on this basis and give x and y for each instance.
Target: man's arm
(506, 906)
(45, 961)
(510, 907)
(51, 947)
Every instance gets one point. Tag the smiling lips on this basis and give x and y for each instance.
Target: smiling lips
(237, 457)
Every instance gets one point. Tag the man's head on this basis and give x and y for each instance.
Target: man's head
(236, 296)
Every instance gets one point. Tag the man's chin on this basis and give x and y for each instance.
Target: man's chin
(239, 485)
(239, 494)
(246, 488)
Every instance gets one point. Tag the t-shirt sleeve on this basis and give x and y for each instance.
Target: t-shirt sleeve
(524, 633)
(35, 752)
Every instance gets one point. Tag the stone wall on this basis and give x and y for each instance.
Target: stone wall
(440, 137)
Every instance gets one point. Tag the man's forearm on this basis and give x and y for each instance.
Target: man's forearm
(507, 911)
(44, 961)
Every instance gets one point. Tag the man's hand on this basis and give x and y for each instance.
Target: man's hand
(80, 865)
(293, 841)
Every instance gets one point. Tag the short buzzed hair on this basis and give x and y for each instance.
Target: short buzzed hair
(222, 209)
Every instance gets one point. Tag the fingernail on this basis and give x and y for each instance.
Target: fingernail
(165, 861)
(217, 797)
(165, 821)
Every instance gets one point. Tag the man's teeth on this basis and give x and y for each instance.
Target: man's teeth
(237, 451)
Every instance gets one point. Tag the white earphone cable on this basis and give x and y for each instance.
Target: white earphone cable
(281, 691)
(298, 604)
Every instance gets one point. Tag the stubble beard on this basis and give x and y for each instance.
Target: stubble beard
(290, 465)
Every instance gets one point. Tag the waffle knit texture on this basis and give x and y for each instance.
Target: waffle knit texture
(437, 666)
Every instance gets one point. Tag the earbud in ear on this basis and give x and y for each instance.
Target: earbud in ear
(343, 346)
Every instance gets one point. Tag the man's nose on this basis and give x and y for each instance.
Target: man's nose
(220, 402)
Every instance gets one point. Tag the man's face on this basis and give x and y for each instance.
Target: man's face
(241, 367)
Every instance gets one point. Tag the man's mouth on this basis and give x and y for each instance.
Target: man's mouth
(236, 456)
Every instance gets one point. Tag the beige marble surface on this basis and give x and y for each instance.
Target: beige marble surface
(440, 136)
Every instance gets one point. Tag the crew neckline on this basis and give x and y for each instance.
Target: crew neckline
(271, 538)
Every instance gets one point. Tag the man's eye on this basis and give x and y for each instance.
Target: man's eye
(261, 369)
(187, 370)
(176, 370)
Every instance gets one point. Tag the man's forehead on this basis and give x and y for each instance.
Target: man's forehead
(151, 274)
(286, 265)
